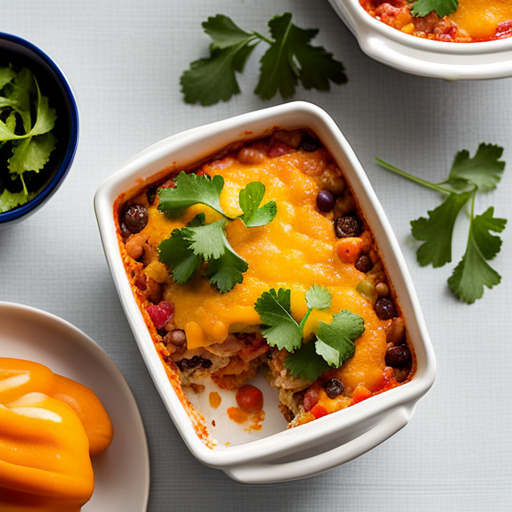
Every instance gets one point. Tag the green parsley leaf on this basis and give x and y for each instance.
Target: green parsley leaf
(468, 176)
(437, 231)
(191, 189)
(483, 170)
(176, 253)
(473, 272)
(211, 80)
(188, 247)
(442, 7)
(282, 330)
(336, 340)
(249, 199)
(9, 200)
(32, 154)
(318, 297)
(290, 58)
(25, 138)
(306, 363)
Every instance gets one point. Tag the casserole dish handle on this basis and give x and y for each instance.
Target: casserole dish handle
(275, 471)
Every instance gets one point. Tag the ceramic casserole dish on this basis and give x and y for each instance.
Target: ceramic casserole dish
(271, 452)
(425, 57)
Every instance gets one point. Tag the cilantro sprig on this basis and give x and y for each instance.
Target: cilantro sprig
(333, 343)
(189, 248)
(290, 59)
(26, 140)
(443, 8)
(467, 177)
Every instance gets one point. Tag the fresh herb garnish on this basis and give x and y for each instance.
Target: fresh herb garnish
(333, 343)
(443, 8)
(26, 141)
(467, 177)
(289, 59)
(189, 247)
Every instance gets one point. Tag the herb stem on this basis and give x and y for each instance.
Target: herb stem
(415, 179)
(262, 37)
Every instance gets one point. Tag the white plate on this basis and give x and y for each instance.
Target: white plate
(121, 472)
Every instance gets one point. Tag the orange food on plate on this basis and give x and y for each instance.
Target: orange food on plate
(50, 426)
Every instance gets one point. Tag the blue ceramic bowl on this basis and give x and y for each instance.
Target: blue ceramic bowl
(55, 86)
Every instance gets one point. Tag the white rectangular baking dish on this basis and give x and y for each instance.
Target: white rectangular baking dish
(275, 454)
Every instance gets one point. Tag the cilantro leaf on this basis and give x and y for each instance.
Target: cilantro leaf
(176, 253)
(249, 199)
(339, 336)
(191, 189)
(306, 363)
(282, 330)
(334, 342)
(484, 169)
(318, 297)
(226, 272)
(468, 176)
(9, 200)
(473, 272)
(442, 7)
(189, 247)
(32, 154)
(291, 57)
(213, 79)
(437, 231)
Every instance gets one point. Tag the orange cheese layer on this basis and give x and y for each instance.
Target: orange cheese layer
(294, 251)
(480, 18)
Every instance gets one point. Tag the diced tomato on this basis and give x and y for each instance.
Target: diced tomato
(249, 399)
(318, 411)
(278, 148)
(160, 313)
(310, 400)
(360, 394)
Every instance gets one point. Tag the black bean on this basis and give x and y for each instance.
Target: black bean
(364, 263)
(398, 357)
(193, 362)
(347, 226)
(309, 143)
(135, 218)
(334, 388)
(325, 201)
(385, 308)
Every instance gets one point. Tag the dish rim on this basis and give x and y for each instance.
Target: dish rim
(147, 164)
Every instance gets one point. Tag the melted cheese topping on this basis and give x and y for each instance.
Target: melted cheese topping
(480, 18)
(294, 251)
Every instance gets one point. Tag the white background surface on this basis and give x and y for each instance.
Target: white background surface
(124, 60)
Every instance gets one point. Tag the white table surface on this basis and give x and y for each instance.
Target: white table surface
(124, 60)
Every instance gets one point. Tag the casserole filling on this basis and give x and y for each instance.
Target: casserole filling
(472, 21)
(312, 263)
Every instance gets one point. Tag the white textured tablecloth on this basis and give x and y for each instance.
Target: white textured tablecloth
(124, 60)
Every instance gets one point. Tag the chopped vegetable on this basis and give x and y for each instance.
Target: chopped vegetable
(467, 177)
(333, 343)
(191, 246)
(26, 141)
(423, 8)
(289, 59)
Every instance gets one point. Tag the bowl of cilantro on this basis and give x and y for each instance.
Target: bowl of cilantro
(38, 128)
(447, 39)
